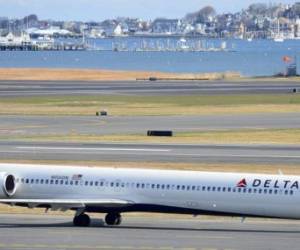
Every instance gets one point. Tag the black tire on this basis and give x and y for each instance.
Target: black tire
(112, 219)
(82, 220)
(119, 221)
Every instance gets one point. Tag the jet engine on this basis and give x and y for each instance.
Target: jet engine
(7, 185)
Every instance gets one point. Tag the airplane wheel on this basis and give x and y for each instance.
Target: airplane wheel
(119, 221)
(113, 219)
(82, 220)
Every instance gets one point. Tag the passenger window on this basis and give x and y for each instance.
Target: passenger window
(229, 189)
(219, 189)
(42, 181)
(275, 191)
(157, 186)
(260, 191)
(168, 186)
(37, 181)
(22, 180)
(91, 183)
(270, 191)
(61, 182)
(56, 182)
(86, 183)
(27, 181)
(143, 185)
(153, 186)
(193, 188)
(47, 181)
(249, 190)
(71, 182)
(163, 186)
(203, 188)
(182, 187)
(32, 181)
(76, 183)
(178, 187)
(137, 185)
(285, 192)
(239, 190)
(291, 192)
(224, 189)
(208, 188)
(66, 183)
(51, 182)
(96, 183)
(265, 191)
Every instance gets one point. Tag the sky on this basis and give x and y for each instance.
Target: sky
(97, 10)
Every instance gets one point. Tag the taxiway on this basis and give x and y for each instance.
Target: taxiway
(141, 233)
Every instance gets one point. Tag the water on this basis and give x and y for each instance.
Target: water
(256, 58)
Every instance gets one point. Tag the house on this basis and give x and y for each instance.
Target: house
(118, 31)
(166, 26)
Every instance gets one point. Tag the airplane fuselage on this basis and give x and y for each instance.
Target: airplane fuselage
(156, 190)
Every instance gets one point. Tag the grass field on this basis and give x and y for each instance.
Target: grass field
(289, 169)
(151, 105)
(243, 136)
(44, 74)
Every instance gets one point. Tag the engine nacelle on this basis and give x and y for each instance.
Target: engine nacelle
(8, 185)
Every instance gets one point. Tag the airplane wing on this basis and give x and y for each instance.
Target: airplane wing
(65, 204)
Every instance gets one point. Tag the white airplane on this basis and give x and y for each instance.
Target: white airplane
(115, 191)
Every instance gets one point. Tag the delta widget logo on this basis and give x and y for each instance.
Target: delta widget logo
(242, 183)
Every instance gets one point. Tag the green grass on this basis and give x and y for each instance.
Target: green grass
(151, 105)
(186, 100)
(242, 136)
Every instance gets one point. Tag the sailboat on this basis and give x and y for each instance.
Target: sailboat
(279, 36)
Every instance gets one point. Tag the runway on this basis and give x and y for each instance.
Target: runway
(42, 88)
(118, 152)
(62, 125)
(44, 232)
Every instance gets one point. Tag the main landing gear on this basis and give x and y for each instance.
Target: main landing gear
(113, 219)
(83, 220)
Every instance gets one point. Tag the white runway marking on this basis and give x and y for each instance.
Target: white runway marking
(95, 149)
(242, 156)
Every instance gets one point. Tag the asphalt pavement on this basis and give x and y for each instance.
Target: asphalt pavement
(92, 125)
(120, 152)
(45, 88)
(141, 233)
